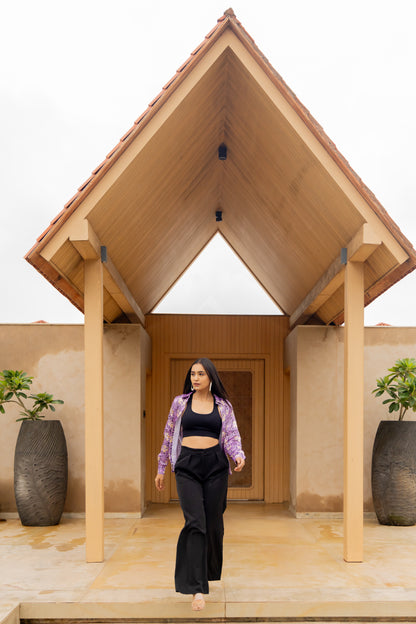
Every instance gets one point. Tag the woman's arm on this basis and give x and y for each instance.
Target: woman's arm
(163, 457)
(232, 438)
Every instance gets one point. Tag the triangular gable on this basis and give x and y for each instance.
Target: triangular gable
(278, 201)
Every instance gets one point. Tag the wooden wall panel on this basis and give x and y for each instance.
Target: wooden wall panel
(224, 337)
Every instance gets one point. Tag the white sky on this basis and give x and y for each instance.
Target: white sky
(74, 76)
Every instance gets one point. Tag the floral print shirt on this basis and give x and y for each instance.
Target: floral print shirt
(230, 440)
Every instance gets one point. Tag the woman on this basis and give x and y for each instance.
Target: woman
(200, 429)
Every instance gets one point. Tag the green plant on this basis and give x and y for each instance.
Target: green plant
(13, 386)
(400, 385)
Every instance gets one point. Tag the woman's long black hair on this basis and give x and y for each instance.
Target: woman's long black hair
(217, 387)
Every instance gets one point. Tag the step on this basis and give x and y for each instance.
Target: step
(180, 612)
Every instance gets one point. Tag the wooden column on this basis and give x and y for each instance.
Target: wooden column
(94, 422)
(353, 411)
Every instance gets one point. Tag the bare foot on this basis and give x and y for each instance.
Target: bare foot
(198, 602)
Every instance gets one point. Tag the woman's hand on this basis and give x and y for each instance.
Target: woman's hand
(239, 464)
(160, 482)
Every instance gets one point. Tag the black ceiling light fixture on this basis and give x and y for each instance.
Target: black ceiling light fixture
(218, 215)
(222, 152)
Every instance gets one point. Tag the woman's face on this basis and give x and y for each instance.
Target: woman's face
(199, 377)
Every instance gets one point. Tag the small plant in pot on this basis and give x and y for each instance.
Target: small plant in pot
(41, 459)
(393, 473)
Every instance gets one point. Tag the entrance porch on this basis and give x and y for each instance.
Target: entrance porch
(286, 201)
(275, 566)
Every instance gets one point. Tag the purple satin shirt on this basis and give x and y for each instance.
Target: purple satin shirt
(230, 440)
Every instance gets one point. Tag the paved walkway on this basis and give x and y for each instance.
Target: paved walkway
(275, 566)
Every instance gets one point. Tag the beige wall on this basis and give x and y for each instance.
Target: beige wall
(54, 356)
(315, 356)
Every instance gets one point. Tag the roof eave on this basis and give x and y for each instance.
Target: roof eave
(319, 133)
(101, 170)
(229, 20)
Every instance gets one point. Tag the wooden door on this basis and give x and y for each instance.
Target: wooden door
(244, 381)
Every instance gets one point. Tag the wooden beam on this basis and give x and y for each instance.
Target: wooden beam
(353, 411)
(94, 405)
(83, 237)
(364, 243)
(118, 289)
(323, 289)
(87, 243)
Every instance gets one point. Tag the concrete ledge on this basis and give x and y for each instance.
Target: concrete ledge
(107, 514)
(328, 515)
(165, 610)
(374, 610)
(160, 610)
(13, 515)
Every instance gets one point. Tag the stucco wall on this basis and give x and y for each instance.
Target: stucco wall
(54, 356)
(315, 356)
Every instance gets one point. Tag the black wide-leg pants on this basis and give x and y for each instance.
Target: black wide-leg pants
(202, 480)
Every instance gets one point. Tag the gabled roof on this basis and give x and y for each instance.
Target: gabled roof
(290, 201)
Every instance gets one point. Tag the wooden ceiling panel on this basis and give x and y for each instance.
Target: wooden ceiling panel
(284, 213)
(169, 193)
(332, 307)
(280, 208)
(380, 263)
(68, 259)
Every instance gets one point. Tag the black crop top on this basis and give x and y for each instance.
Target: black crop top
(206, 425)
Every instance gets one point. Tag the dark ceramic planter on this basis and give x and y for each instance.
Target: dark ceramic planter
(40, 472)
(393, 474)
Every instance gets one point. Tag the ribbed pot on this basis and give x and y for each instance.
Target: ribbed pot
(393, 474)
(40, 472)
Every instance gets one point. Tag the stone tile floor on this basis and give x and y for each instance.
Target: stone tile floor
(274, 566)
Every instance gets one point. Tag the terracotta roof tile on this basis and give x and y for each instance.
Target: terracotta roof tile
(211, 32)
(113, 151)
(85, 184)
(58, 216)
(197, 49)
(138, 120)
(182, 67)
(167, 85)
(71, 201)
(128, 133)
(153, 102)
(39, 238)
(245, 32)
(100, 166)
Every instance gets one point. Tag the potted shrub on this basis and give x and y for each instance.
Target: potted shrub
(41, 460)
(393, 474)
